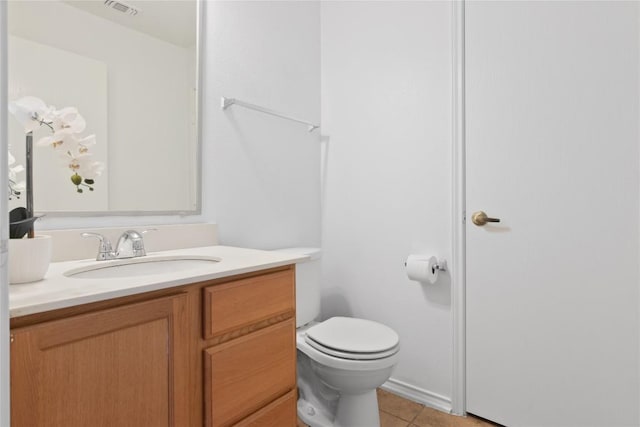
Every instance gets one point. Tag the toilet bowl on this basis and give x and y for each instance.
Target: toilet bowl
(341, 361)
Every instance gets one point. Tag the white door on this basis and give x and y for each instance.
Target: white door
(552, 151)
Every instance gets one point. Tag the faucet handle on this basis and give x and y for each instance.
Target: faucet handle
(105, 251)
(142, 249)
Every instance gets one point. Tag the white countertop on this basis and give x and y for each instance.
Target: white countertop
(58, 291)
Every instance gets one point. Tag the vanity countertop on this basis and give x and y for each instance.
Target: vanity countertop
(58, 291)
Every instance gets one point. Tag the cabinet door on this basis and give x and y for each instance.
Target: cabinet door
(244, 375)
(125, 366)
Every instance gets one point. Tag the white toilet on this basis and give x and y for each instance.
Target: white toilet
(341, 361)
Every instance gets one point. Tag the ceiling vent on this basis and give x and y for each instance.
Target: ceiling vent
(121, 7)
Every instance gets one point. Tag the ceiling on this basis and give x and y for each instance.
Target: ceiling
(173, 21)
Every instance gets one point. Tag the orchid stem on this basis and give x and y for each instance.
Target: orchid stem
(29, 170)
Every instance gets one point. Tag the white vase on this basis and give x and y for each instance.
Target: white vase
(29, 259)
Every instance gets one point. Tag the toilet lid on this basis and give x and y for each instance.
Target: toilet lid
(353, 338)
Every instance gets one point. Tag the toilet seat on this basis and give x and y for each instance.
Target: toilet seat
(353, 339)
(351, 356)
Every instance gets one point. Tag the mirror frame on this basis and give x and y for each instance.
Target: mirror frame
(200, 30)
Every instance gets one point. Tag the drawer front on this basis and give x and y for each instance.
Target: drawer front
(243, 303)
(243, 375)
(281, 413)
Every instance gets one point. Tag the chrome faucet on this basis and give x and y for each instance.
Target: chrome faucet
(130, 245)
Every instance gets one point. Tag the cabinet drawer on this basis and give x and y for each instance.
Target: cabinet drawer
(281, 413)
(243, 375)
(239, 304)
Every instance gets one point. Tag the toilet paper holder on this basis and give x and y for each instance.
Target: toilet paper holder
(441, 265)
(424, 268)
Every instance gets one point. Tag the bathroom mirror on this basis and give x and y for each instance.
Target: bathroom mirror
(130, 68)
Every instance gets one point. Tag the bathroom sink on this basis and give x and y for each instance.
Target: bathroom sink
(143, 266)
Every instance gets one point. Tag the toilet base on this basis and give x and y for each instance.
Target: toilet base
(358, 410)
(354, 410)
(311, 415)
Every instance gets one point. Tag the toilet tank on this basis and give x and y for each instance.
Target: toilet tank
(307, 284)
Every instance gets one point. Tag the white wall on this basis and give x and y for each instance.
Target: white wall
(386, 109)
(263, 172)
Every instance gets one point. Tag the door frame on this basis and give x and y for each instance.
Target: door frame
(458, 283)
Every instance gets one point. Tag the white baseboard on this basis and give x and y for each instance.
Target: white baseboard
(417, 394)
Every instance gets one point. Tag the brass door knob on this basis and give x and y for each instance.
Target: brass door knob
(480, 218)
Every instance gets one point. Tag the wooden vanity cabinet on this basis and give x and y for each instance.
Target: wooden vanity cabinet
(124, 366)
(218, 353)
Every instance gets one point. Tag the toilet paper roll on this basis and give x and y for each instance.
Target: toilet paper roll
(422, 268)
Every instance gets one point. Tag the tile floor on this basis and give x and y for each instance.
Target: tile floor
(396, 411)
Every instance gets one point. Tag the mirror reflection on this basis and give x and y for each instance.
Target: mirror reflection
(130, 69)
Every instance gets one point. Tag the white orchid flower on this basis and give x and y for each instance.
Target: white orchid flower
(15, 187)
(66, 125)
(29, 111)
(83, 144)
(75, 160)
(12, 160)
(91, 170)
(66, 121)
(55, 140)
(70, 142)
(84, 168)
